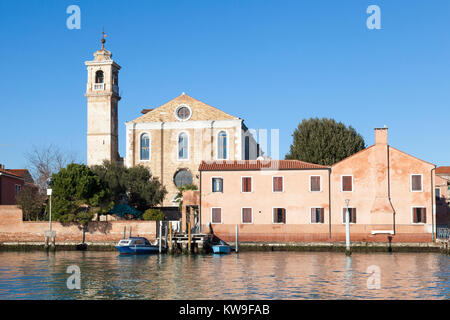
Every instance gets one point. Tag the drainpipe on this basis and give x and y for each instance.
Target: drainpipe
(329, 202)
(162, 152)
(433, 210)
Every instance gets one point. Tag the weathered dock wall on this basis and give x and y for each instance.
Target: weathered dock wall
(14, 229)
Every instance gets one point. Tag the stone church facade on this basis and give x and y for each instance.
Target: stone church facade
(170, 140)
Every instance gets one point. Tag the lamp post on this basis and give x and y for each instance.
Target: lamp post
(347, 229)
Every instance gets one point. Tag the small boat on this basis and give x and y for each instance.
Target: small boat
(136, 245)
(221, 248)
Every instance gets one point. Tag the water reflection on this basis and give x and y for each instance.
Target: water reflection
(247, 275)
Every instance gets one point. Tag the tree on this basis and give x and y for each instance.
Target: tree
(31, 202)
(324, 141)
(179, 196)
(133, 185)
(153, 215)
(78, 193)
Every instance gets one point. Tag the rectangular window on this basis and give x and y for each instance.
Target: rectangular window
(18, 187)
(317, 215)
(216, 215)
(438, 193)
(416, 182)
(352, 212)
(314, 183)
(347, 183)
(279, 215)
(277, 184)
(419, 215)
(247, 215)
(217, 185)
(246, 184)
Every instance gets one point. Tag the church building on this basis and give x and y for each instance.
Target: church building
(170, 140)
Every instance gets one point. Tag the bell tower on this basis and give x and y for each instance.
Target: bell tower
(102, 93)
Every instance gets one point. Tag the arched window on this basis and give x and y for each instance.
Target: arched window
(99, 76)
(145, 146)
(183, 145)
(182, 177)
(222, 145)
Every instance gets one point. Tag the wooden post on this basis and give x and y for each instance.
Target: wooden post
(160, 237)
(124, 231)
(131, 227)
(237, 240)
(189, 237)
(170, 236)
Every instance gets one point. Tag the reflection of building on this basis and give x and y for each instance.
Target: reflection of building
(442, 192)
(390, 195)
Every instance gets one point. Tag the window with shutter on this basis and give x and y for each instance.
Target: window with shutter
(314, 183)
(277, 184)
(279, 215)
(216, 215)
(246, 184)
(352, 214)
(217, 185)
(419, 215)
(347, 183)
(247, 215)
(416, 182)
(317, 215)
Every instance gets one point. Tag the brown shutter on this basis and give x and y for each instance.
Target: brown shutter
(246, 215)
(353, 215)
(414, 215)
(347, 183)
(277, 184)
(249, 184)
(343, 215)
(322, 215)
(416, 182)
(284, 215)
(313, 215)
(424, 215)
(315, 183)
(275, 217)
(216, 215)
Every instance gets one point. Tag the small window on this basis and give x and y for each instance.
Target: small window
(222, 145)
(347, 183)
(217, 185)
(438, 193)
(216, 215)
(99, 76)
(279, 215)
(183, 146)
(17, 189)
(145, 147)
(277, 184)
(352, 212)
(246, 184)
(416, 182)
(247, 215)
(183, 112)
(419, 215)
(317, 215)
(315, 184)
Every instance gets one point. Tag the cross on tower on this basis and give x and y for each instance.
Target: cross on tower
(103, 39)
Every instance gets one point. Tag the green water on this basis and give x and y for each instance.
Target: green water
(248, 275)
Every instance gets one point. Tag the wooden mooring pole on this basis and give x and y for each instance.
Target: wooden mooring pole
(170, 236)
(160, 236)
(237, 239)
(189, 237)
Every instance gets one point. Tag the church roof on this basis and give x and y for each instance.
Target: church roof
(200, 111)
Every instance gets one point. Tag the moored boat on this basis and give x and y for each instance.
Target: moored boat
(136, 245)
(221, 248)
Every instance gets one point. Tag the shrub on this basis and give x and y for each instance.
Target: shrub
(153, 215)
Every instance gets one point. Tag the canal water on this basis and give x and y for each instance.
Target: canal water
(248, 275)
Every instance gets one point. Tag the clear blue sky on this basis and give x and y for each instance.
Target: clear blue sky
(271, 63)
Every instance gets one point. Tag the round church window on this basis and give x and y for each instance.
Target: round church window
(182, 177)
(183, 112)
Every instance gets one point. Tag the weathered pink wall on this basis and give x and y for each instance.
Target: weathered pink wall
(13, 229)
(7, 187)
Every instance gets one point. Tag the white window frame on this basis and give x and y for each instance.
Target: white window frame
(149, 147)
(317, 175)
(343, 222)
(212, 184)
(227, 144)
(310, 222)
(242, 184)
(221, 219)
(179, 107)
(242, 215)
(273, 184)
(188, 146)
(412, 215)
(285, 213)
(342, 182)
(421, 182)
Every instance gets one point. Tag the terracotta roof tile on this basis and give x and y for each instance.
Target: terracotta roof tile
(231, 165)
(445, 169)
(8, 172)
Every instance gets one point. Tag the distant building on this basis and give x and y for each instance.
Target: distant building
(442, 191)
(11, 182)
(390, 194)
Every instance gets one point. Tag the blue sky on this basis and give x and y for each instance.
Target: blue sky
(271, 63)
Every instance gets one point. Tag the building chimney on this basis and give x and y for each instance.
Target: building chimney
(381, 135)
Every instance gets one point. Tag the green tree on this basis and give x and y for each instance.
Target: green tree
(134, 185)
(31, 202)
(324, 141)
(153, 215)
(78, 193)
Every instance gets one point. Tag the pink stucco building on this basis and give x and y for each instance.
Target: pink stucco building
(390, 195)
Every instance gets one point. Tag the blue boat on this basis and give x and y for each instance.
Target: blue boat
(221, 248)
(136, 245)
